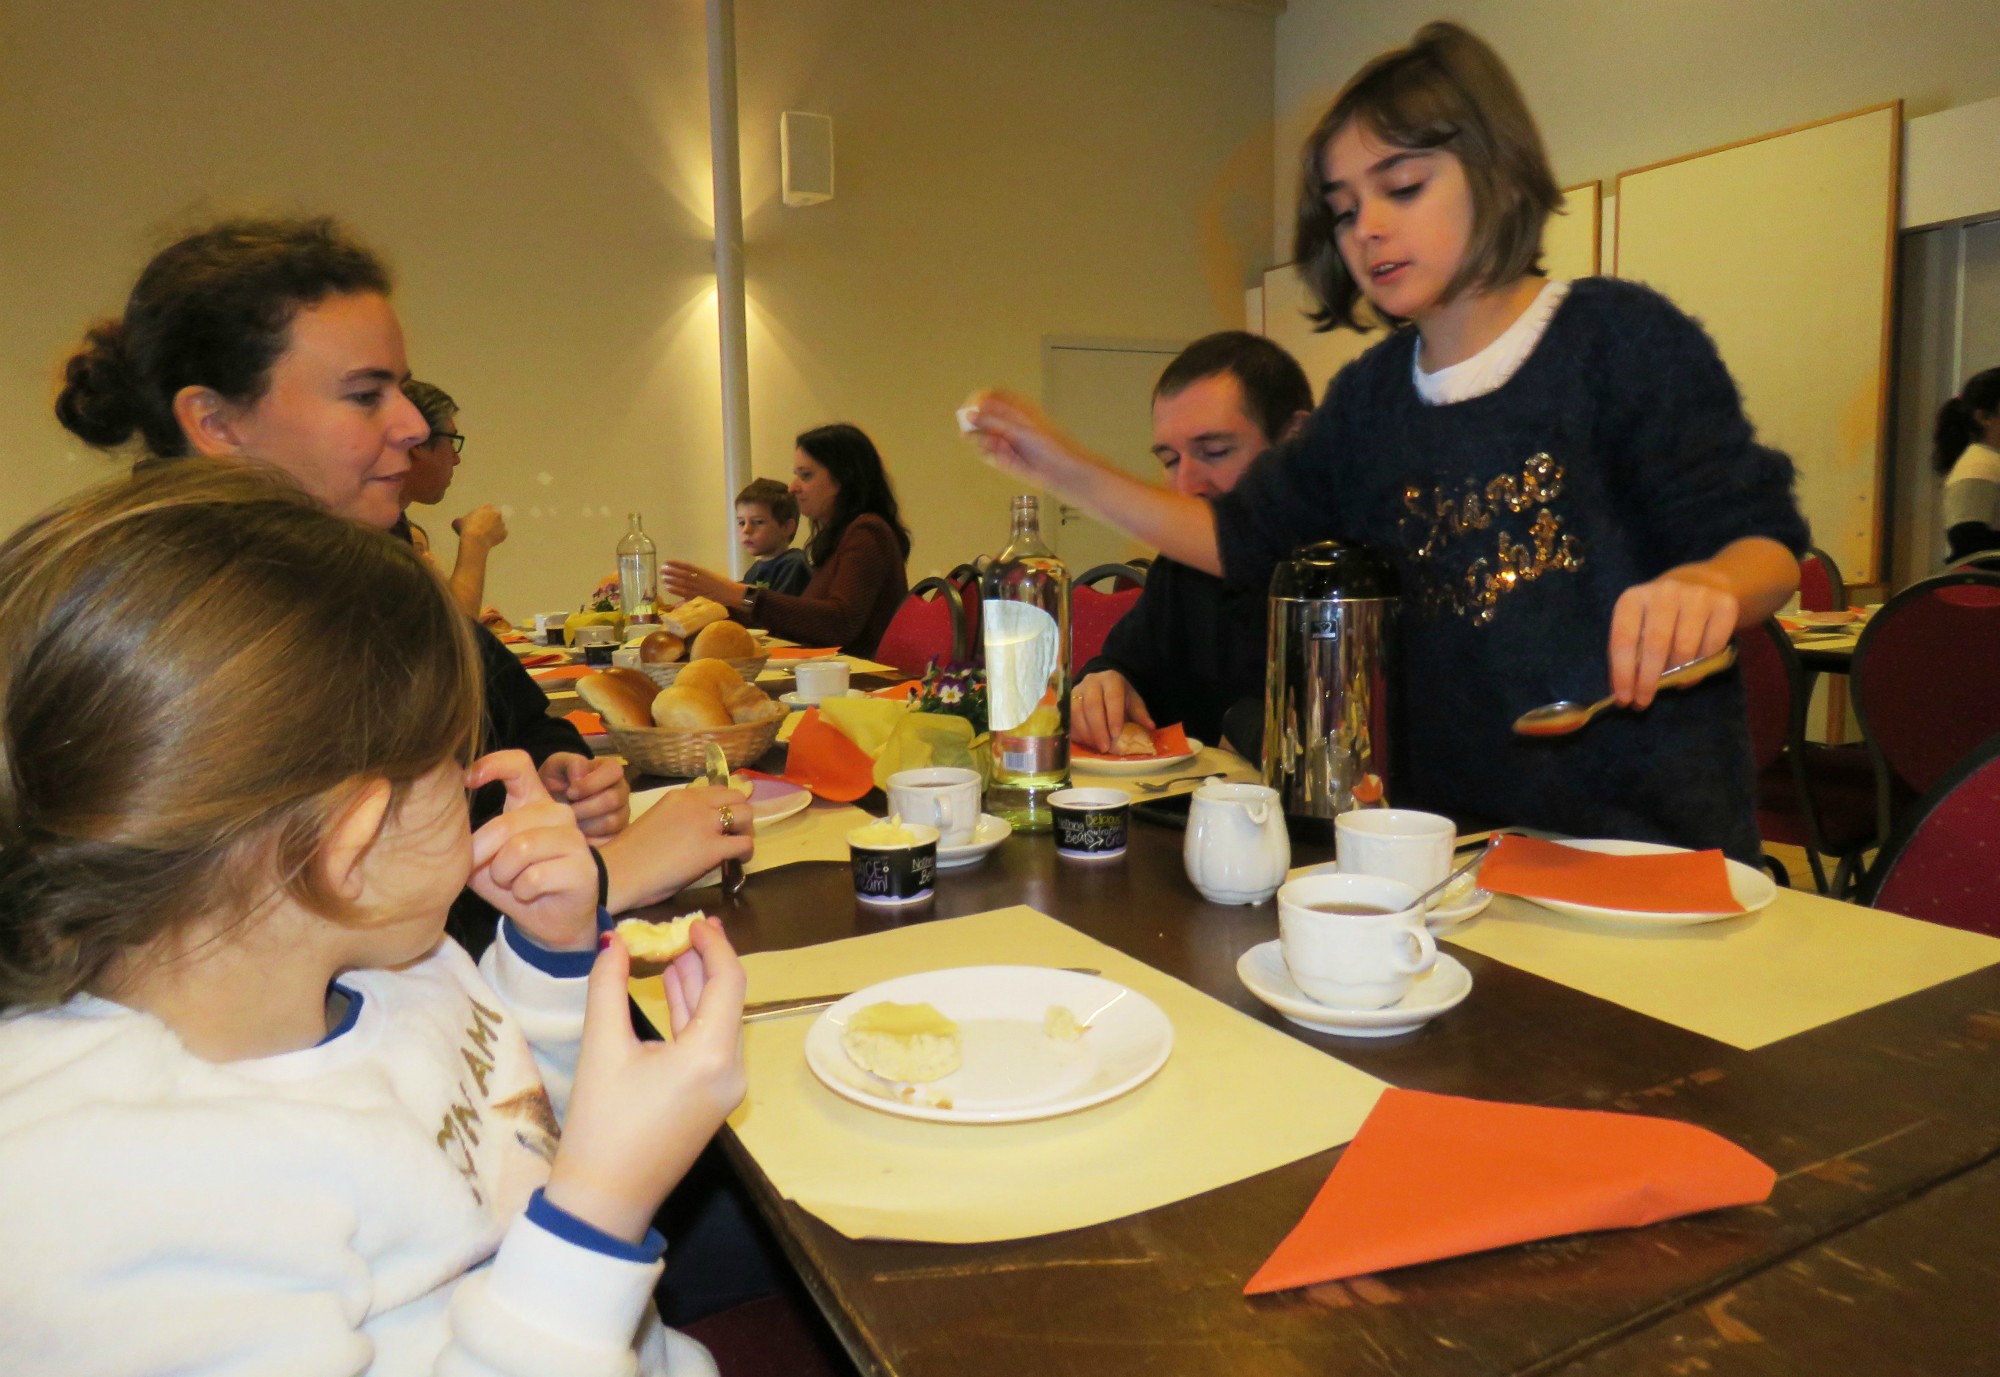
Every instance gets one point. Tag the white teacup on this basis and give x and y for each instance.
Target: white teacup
(819, 679)
(1395, 844)
(942, 797)
(1353, 959)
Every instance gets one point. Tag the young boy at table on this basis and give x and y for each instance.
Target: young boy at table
(1192, 646)
(767, 517)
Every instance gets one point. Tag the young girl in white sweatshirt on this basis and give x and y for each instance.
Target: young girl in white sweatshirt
(256, 1113)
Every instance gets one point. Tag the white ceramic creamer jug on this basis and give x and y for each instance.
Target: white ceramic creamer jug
(1236, 848)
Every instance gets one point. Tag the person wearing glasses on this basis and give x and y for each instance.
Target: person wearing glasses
(431, 465)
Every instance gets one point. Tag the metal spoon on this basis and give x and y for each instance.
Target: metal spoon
(1563, 717)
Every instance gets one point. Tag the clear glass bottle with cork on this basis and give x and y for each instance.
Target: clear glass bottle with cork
(638, 574)
(1024, 618)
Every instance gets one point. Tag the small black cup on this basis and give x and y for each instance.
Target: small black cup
(895, 874)
(1090, 823)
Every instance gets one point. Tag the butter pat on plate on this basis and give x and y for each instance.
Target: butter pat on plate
(908, 1043)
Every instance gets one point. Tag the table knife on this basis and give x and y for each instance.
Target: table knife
(777, 1008)
(733, 876)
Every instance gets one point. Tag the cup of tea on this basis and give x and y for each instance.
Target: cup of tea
(819, 679)
(1395, 844)
(943, 797)
(1353, 941)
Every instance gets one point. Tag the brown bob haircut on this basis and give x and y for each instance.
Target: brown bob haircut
(199, 670)
(1446, 91)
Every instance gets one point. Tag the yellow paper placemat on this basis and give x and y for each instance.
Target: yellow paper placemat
(1235, 1098)
(819, 833)
(1748, 981)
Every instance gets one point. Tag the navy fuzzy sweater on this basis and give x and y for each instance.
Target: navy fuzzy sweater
(1618, 451)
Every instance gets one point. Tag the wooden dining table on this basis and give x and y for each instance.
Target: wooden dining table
(1883, 1128)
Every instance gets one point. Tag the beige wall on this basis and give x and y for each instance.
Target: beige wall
(1618, 86)
(538, 172)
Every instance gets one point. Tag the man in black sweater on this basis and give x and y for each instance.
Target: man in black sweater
(1192, 646)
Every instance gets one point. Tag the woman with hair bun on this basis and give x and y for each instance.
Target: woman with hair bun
(1966, 449)
(273, 341)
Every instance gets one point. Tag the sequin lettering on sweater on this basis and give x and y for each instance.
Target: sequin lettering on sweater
(1439, 529)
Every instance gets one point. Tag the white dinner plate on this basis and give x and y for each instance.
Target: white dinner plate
(1131, 764)
(987, 834)
(771, 800)
(1752, 887)
(1013, 1070)
(1444, 986)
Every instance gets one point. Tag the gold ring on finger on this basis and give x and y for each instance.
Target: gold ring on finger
(726, 815)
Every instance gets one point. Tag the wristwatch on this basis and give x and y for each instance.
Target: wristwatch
(753, 601)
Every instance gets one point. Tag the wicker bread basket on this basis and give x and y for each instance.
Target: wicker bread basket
(664, 675)
(673, 751)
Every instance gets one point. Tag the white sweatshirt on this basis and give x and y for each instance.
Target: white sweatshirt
(329, 1211)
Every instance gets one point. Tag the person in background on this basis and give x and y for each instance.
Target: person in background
(767, 517)
(1966, 449)
(225, 978)
(273, 341)
(858, 551)
(1192, 646)
(431, 464)
(1561, 473)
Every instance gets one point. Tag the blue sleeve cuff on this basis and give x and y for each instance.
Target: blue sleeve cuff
(570, 1229)
(564, 965)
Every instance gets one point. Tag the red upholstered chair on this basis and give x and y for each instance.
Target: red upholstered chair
(930, 625)
(965, 578)
(1092, 614)
(1820, 585)
(1926, 682)
(1809, 795)
(1945, 866)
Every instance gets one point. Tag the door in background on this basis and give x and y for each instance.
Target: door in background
(1101, 391)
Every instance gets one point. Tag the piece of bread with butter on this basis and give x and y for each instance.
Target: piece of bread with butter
(658, 943)
(910, 1043)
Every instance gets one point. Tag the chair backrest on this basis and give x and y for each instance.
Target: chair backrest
(1926, 679)
(929, 626)
(1978, 559)
(1122, 576)
(1821, 588)
(1944, 867)
(1091, 616)
(1770, 694)
(965, 578)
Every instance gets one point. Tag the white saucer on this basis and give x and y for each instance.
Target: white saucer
(798, 704)
(1443, 986)
(989, 833)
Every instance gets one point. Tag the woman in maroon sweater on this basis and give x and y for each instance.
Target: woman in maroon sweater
(857, 552)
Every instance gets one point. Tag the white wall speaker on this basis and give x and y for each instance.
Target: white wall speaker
(805, 144)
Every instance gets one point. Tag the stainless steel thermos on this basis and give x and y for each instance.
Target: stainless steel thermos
(1327, 685)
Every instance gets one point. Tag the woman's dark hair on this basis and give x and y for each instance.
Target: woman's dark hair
(135, 620)
(1447, 91)
(850, 456)
(211, 310)
(1957, 427)
(1274, 386)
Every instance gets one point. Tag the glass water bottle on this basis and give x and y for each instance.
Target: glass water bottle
(1024, 615)
(638, 574)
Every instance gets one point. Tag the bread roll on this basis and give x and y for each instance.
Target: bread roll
(661, 648)
(657, 943)
(689, 709)
(910, 1043)
(723, 641)
(622, 697)
(1133, 739)
(710, 676)
(748, 703)
(692, 615)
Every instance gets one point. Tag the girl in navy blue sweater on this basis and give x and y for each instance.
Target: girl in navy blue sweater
(1562, 472)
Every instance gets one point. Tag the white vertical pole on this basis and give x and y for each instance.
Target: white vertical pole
(731, 322)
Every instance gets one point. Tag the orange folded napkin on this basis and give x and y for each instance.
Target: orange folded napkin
(1170, 740)
(542, 657)
(900, 693)
(589, 723)
(1670, 882)
(560, 674)
(1437, 1176)
(799, 652)
(826, 762)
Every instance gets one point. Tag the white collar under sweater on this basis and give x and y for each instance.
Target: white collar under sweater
(1490, 368)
